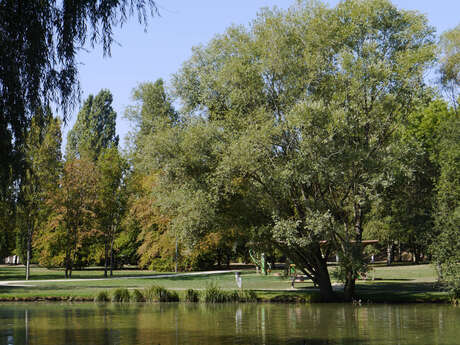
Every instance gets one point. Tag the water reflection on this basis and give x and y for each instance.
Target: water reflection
(182, 323)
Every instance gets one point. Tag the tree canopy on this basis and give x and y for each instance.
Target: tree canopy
(290, 127)
(94, 129)
(39, 43)
(450, 62)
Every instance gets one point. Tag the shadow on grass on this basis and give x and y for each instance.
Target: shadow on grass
(385, 286)
(201, 277)
(9, 273)
(389, 279)
(414, 292)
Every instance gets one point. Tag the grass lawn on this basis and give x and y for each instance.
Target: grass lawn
(401, 283)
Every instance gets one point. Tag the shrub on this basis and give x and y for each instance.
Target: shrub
(214, 294)
(121, 295)
(192, 296)
(247, 296)
(159, 294)
(173, 296)
(102, 296)
(455, 296)
(232, 296)
(137, 296)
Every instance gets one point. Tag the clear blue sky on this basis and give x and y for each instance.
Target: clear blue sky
(142, 56)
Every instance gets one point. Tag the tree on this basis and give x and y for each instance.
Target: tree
(406, 208)
(446, 247)
(450, 63)
(73, 219)
(42, 152)
(153, 110)
(155, 244)
(112, 200)
(39, 43)
(94, 129)
(294, 118)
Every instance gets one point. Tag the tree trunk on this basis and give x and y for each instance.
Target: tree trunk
(389, 254)
(416, 255)
(29, 245)
(175, 257)
(106, 258)
(349, 287)
(111, 256)
(356, 252)
(324, 283)
(66, 263)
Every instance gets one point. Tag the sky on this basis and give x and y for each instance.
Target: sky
(142, 56)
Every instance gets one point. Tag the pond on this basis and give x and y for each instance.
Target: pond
(181, 323)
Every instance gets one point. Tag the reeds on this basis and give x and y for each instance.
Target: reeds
(157, 293)
(102, 296)
(192, 296)
(121, 295)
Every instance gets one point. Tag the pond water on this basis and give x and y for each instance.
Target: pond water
(181, 323)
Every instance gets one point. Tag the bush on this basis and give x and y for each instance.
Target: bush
(214, 294)
(102, 296)
(455, 296)
(121, 295)
(247, 296)
(159, 294)
(192, 296)
(232, 296)
(137, 296)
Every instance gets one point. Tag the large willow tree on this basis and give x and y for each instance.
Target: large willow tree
(290, 127)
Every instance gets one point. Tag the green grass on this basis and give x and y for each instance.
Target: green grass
(400, 283)
(8, 273)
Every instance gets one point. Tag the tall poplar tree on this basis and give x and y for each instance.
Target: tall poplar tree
(94, 129)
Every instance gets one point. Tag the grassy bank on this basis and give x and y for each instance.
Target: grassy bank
(395, 284)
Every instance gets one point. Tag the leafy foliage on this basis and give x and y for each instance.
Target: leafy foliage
(290, 128)
(446, 248)
(72, 221)
(450, 63)
(42, 167)
(39, 42)
(111, 200)
(94, 129)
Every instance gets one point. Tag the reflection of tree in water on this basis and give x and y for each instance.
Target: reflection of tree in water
(238, 320)
(246, 323)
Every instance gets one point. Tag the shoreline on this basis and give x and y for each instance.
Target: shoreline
(268, 296)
